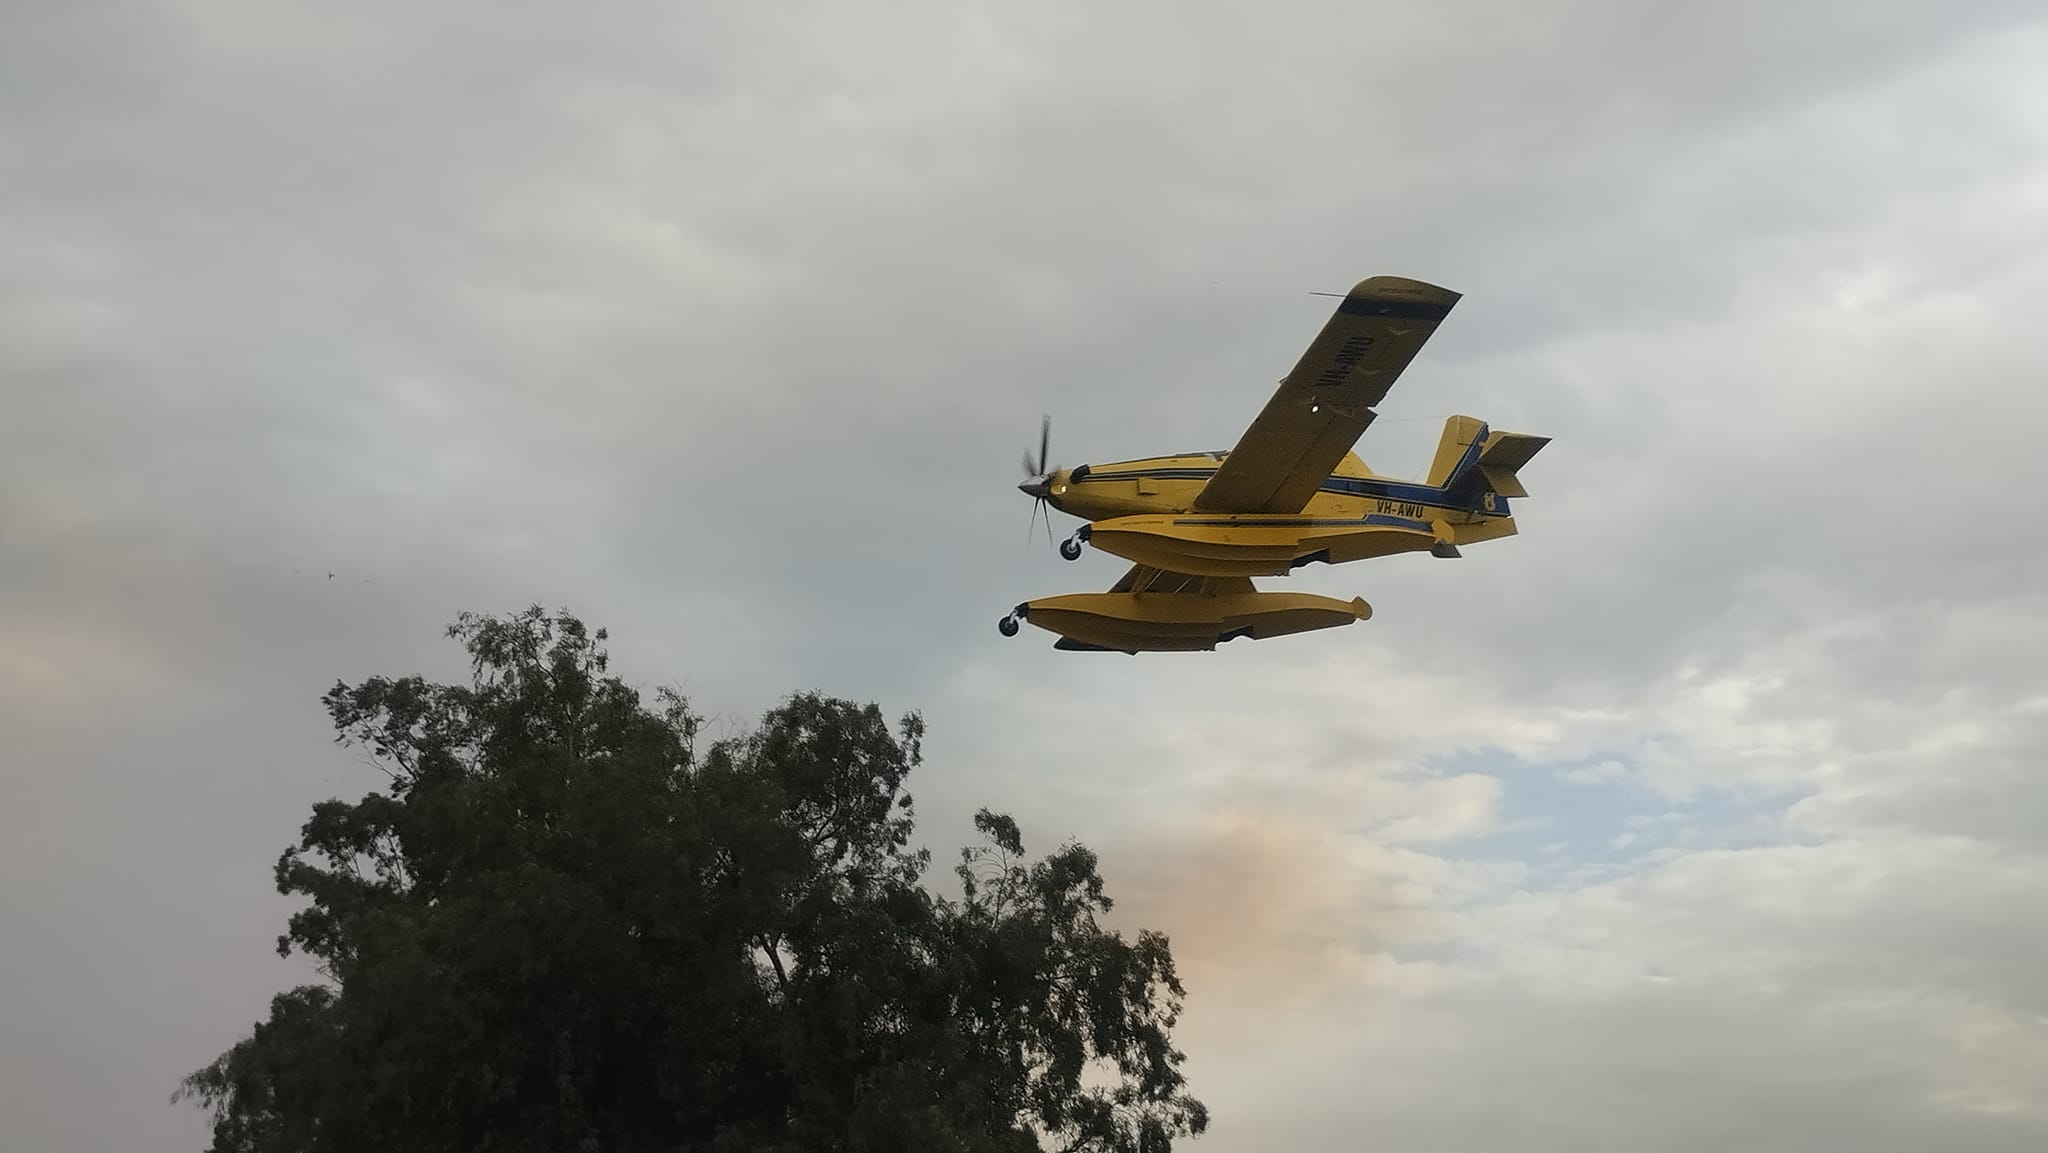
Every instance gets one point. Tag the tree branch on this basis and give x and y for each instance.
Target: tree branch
(775, 961)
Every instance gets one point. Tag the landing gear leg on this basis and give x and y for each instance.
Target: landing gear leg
(1446, 547)
(1070, 548)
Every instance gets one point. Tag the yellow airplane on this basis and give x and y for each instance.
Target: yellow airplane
(1198, 527)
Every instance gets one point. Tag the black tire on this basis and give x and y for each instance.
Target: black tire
(1070, 548)
(1008, 625)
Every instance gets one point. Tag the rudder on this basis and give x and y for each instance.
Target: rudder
(1460, 434)
(1459, 437)
(1472, 459)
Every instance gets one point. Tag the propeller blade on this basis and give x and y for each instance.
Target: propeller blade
(1044, 442)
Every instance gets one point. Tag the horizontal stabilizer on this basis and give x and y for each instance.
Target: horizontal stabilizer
(1504, 455)
(1502, 481)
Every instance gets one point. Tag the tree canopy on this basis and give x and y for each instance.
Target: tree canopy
(570, 924)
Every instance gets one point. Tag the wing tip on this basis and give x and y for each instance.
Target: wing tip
(1377, 294)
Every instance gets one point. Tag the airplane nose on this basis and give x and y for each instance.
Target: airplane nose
(1033, 488)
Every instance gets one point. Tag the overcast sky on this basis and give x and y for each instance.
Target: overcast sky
(1703, 815)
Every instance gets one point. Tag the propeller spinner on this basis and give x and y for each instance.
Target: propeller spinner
(1038, 478)
(1036, 475)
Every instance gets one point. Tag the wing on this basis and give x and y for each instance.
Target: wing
(1324, 405)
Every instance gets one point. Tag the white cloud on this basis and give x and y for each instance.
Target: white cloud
(1601, 773)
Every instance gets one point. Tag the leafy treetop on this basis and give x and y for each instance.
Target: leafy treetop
(566, 926)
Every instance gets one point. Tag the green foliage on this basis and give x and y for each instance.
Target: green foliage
(566, 927)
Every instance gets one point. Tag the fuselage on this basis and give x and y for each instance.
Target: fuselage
(1167, 485)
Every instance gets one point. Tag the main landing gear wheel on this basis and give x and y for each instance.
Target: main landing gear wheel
(1008, 625)
(1070, 549)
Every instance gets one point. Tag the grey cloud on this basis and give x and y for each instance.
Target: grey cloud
(725, 328)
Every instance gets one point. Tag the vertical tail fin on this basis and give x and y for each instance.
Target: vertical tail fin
(1461, 434)
(1473, 460)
